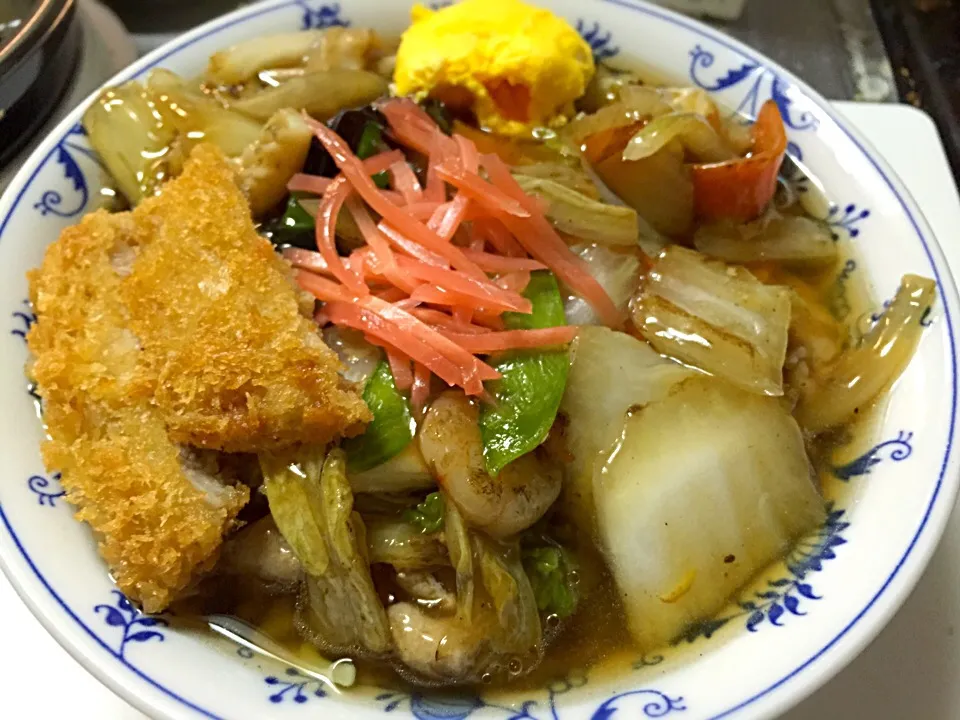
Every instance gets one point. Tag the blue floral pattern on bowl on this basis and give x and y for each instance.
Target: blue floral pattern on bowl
(897, 449)
(23, 318)
(782, 597)
(600, 41)
(48, 491)
(294, 686)
(654, 704)
(135, 627)
(758, 82)
(69, 151)
(322, 16)
(846, 220)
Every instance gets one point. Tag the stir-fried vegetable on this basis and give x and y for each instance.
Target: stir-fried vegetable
(740, 189)
(461, 556)
(698, 137)
(360, 359)
(861, 373)
(497, 635)
(610, 373)
(528, 394)
(403, 472)
(244, 61)
(259, 550)
(508, 586)
(286, 55)
(572, 178)
(404, 545)
(635, 105)
(266, 166)
(716, 317)
(391, 429)
(199, 118)
(686, 522)
(320, 94)
(295, 228)
(553, 577)
(428, 515)
(617, 271)
(583, 217)
(659, 187)
(312, 504)
(132, 140)
(791, 240)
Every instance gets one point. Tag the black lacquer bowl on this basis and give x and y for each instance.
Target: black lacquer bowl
(39, 47)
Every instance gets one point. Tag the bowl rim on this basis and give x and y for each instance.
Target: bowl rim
(829, 660)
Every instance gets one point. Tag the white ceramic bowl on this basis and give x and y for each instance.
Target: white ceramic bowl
(811, 616)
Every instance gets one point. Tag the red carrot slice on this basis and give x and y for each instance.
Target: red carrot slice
(327, 213)
(493, 263)
(540, 239)
(369, 322)
(404, 331)
(307, 260)
(421, 388)
(402, 221)
(492, 342)
(423, 210)
(400, 368)
(468, 153)
(391, 295)
(385, 263)
(478, 189)
(456, 211)
(486, 293)
(440, 319)
(405, 182)
(497, 235)
(309, 183)
(414, 250)
(435, 190)
(316, 184)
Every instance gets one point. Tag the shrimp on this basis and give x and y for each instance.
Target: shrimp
(451, 445)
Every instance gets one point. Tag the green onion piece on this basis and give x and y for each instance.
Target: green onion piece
(552, 576)
(428, 515)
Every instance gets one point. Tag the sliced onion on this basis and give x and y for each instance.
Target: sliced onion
(659, 188)
(636, 103)
(694, 131)
(862, 373)
(578, 215)
(574, 178)
(690, 99)
(790, 239)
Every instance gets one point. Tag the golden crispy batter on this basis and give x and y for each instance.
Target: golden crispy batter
(174, 325)
(239, 368)
(155, 528)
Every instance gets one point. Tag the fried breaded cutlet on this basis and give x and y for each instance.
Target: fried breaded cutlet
(174, 326)
(239, 368)
(109, 441)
